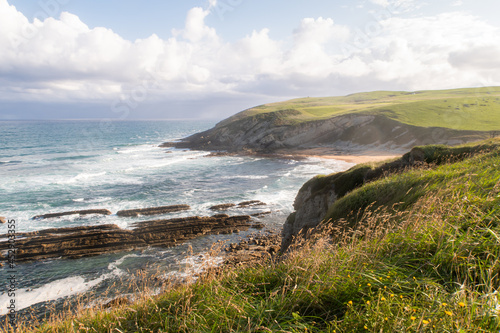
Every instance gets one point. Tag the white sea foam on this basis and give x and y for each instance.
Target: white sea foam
(62, 288)
(245, 177)
(49, 292)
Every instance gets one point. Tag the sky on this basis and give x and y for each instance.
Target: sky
(209, 59)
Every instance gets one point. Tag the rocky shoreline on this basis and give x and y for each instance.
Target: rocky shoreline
(78, 242)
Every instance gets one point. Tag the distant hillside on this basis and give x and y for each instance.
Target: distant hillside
(382, 119)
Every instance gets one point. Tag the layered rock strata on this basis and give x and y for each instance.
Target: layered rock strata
(153, 210)
(73, 212)
(85, 241)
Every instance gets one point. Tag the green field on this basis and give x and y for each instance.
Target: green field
(476, 109)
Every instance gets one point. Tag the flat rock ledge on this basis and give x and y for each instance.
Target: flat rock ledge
(87, 241)
(73, 212)
(243, 204)
(153, 210)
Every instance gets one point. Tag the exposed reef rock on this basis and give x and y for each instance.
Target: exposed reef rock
(318, 194)
(153, 210)
(251, 203)
(222, 206)
(93, 240)
(243, 204)
(3, 219)
(175, 231)
(74, 212)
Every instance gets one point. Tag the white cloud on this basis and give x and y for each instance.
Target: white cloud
(383, 3)
(65, 60)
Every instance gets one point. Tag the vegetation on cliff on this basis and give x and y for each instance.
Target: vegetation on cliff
(415, 251)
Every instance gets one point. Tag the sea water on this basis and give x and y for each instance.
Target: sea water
(56, 166)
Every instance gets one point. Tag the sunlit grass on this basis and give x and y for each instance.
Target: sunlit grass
(475, 109)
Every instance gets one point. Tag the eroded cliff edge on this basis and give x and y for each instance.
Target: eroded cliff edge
(314, 201)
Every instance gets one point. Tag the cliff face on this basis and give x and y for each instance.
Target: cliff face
(270, 132)
(315, 198)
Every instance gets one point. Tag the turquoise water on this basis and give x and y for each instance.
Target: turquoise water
(55, 166)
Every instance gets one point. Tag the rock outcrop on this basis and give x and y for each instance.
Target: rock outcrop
(243, 204)
(222, 206)
(254, 249)
(85, 241)
(3, 219)
(153, 210)
(74, 212)
(251, 203)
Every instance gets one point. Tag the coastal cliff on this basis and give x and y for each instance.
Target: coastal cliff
(315, 201)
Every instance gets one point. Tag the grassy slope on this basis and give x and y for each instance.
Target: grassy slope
(430, 264)
(476, 109)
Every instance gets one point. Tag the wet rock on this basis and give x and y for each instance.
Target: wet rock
(222, 206)
(261, 214)
(220, 215)
(220, 154)
(74, 212)
(168, 145)
(153, 210)
(85, 241)
(251, 203)
(74, 242)
(3, 219)
(175, 231)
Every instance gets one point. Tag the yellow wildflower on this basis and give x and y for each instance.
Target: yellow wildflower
(382, 299)
(461, 304)
(413, 318)
(350, 302)
(449, 313)
(425, 322)
(368, 302)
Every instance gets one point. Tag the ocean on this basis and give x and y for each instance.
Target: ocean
(56, 166)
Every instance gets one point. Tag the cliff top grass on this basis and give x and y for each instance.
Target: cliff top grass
(476, 109)
(423, 257)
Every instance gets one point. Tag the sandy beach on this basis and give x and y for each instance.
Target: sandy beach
(354, 157)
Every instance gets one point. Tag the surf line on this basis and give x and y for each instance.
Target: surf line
(12, 274)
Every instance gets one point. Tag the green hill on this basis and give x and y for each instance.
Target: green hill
(413, 249)
(474, 109)
(384, 120)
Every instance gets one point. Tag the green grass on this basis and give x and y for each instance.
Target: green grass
(422, 256)
(476, 109)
